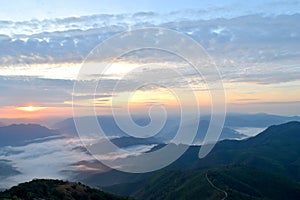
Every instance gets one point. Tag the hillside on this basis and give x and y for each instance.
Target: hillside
(276, 149)
(239, 182)
(263, 167)
(56, 190)
(266, 166)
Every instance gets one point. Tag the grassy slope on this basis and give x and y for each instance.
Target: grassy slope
(264, 167)
(239, 182)
(276, 150)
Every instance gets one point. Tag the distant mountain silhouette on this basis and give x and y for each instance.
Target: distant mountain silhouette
(132, 141)
(227, 133)
(167, 133)
(109, 126)
(257, 120)
(21, 134)
(107, 123)
(55, 190)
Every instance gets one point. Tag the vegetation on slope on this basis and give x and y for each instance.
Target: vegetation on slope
(55, 190)
(263, 167)
(239, 182)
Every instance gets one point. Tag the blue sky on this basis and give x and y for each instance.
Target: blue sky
(256, 47)
(20, 10)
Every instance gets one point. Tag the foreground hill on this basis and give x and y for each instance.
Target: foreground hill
(56, 190)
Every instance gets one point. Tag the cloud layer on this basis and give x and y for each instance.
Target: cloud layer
(40, 59)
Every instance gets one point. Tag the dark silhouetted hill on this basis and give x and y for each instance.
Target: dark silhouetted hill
(56, 190)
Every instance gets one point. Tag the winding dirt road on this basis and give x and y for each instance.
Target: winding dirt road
(215, 187)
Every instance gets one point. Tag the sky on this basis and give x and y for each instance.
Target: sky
(20, 10)
(44, 44)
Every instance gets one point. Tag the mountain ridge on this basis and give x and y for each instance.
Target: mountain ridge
(22, 134)
(254, 168)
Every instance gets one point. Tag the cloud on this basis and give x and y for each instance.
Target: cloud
(71, 39)
(51, 159)
(41, 160)
(43, 92)
(252, 49)
(246, 41)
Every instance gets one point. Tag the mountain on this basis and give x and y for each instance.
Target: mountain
(123, 142)
(107, 123)
(55, 190)
(167, 133)
(234, 182)
(266, 166)
(276, 150)
(261, 120)
(227, 133)
(232, 121)
(22, 134)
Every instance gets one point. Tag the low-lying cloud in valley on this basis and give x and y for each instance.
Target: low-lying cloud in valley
(57, 158)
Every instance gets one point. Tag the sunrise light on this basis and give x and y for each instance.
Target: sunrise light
(31, 108)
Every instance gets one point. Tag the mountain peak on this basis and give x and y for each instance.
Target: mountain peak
(283, 128)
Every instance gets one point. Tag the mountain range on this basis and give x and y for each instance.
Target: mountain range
(257, 120)
(262, 167)
(265, 166)
(232, 121)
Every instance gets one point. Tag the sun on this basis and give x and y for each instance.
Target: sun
(31, 108)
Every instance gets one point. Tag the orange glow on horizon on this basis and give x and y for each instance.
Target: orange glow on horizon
(30, 108)
(33, 112)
